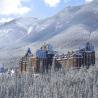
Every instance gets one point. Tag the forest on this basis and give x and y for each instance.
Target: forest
(65, 83)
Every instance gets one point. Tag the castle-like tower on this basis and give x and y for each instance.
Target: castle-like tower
(26, 61)
(45, 56)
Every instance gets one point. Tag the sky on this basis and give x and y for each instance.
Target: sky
(10, 9)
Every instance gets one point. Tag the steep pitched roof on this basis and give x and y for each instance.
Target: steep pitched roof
(28, 53)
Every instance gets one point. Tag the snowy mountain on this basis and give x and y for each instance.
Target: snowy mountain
(69, 29)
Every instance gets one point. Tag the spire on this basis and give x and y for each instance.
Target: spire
(89, 46)
(29, 53)
(89, 39)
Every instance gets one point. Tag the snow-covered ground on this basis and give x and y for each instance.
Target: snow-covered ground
(72, 83)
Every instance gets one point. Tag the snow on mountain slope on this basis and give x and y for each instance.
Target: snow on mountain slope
(14, 31)
(69, 21)
(69, 29)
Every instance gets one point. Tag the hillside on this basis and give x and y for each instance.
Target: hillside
(67, 30)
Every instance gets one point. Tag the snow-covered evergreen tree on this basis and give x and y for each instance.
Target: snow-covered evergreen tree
(72, 83)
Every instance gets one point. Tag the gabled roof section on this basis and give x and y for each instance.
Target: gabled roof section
(28, 53)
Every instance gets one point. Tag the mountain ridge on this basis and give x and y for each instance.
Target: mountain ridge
(67, 30)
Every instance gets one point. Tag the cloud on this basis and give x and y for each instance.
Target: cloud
(2, 20)
(89, 0)
(13, 7)
(52, 3)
